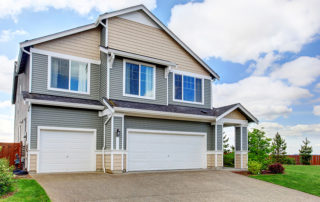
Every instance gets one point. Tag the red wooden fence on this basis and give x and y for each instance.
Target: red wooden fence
(9, 151)
(315, 160)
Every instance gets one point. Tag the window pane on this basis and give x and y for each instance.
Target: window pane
(79, 76)
(188, 88)
(132, 79)
(198, 90)
(59, 73)
(146, 81)
(178, 86)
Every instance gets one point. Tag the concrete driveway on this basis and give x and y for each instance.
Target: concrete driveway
(210, 185)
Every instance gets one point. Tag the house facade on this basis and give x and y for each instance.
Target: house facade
(121, 94)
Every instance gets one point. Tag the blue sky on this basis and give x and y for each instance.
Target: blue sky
(266, 52)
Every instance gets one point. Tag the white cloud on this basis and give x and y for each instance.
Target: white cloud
(13, 8)
(316, 110)
(239, 31)
(5, 104)
(318, 86)
(263, 63)
(6, 74)
(7, 35)
(299, 72)
(264, 97)
(6, 128)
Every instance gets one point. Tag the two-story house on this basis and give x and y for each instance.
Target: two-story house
(121, 94)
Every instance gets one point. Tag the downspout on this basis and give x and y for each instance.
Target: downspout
(104, 141)
(104, 133)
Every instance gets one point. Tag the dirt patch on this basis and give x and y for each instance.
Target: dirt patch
(22, 177)
(245, 173)
(8, 194)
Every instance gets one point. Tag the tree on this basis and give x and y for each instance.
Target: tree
(305, 152)
(279, 147)
(225, 144)
(259, 147)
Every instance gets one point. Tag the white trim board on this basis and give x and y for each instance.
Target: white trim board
(136, 56)
(64, 104)
(238, 106)
(164, 115)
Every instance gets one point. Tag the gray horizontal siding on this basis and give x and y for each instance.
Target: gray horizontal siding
(117, 124)
(219, 137)
(40, 79)
(170, 125)
(238, 136)
(116, 85)
(207, 94)
(103, 75)
(108, 133)
(244, 139)
(64, 117)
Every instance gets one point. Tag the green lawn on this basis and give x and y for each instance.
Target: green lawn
(302, 178)
(28, 190)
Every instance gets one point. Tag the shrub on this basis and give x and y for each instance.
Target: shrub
(289, 161)
(6, 177)
(228, 159)
(254, 167)
(276, 168)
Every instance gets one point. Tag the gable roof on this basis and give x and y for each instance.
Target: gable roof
(225, 110)
(31, 42)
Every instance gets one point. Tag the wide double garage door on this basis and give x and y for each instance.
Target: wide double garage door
(165, 150)
(66, 150)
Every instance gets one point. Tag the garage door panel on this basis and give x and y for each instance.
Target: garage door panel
(66, 151)
(165, 151)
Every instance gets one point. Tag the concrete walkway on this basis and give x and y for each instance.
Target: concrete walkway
(211, 185)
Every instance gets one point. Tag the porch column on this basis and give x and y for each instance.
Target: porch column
(219, 145)
(241, 147)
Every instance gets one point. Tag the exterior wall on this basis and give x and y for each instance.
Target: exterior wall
(244, 160)
(40, 79)
(64, 117)
(116, 85)
(84, 44)
(210, 160)
(237, 138)
(219, 160)
(107, 162)
(108, 133)
(125, 162)
(244, 138)
(33, 163)
(130, 36)
(117, 124)
(103, 76)
(117, 162)
(21, 108)
(207, 94)
(219, 137)
(170, 125)
(236, 114)
(237, 160)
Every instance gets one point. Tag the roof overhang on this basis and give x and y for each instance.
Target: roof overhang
(163, 115)
(64, 104)
(136, 56)
(249, 116)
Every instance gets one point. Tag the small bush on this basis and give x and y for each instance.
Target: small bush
(228, 159)
(276, 168)
(254, 167)
(6, 177)
(289, 161)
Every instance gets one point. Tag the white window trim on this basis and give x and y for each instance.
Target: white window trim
(68, 90)
(124, 79)
(184, 101)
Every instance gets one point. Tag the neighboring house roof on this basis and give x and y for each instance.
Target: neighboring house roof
(37, 98)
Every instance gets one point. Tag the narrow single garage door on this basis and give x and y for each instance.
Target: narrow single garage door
(165, 150)
(66, 151)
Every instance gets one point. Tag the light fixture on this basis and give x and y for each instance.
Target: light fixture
(118, 132)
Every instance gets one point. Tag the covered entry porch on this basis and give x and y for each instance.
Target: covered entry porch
(231, 116)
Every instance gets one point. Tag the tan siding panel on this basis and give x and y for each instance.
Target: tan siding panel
(145, 40)
(33, 163)
(210, 160)
(245, 160)
(236, 114)
(84, 44)
(117, 162)
(220, 160)
(237, 161)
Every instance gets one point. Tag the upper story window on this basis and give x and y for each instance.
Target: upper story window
(69, 75)
(188, 89)
(139, 80)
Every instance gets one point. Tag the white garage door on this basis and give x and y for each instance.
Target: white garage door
(158, 150)
(66, 151)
